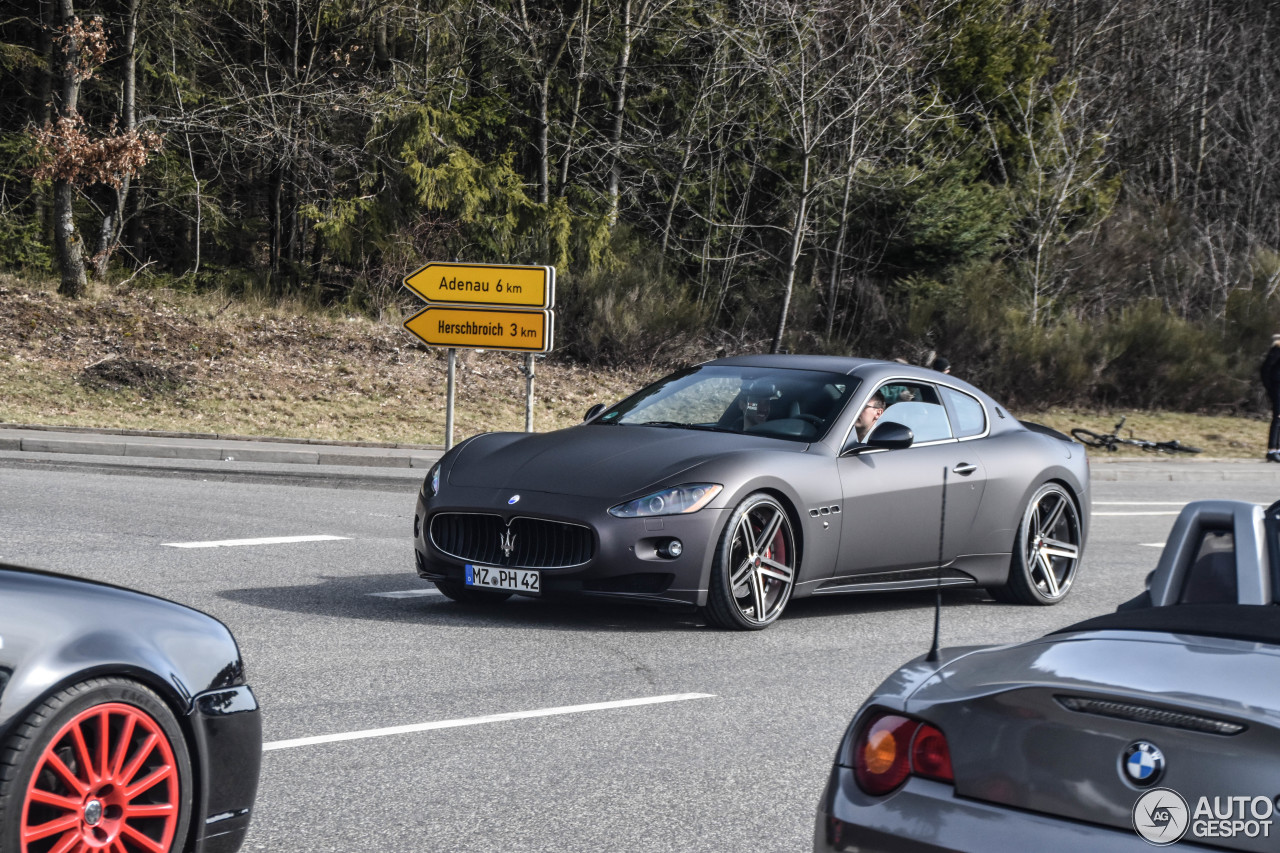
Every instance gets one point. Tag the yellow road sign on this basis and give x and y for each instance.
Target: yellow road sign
(485, 284)
(483, 328)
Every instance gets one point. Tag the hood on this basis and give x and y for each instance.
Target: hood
(596, 461)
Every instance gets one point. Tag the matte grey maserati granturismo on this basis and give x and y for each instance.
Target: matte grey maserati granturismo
(739, 484)
(1156, 724)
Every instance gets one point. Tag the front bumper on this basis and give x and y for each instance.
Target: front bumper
(927, 817)
(227, 729)
(625, 562)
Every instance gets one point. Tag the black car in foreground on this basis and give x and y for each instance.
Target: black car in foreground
(126, 724)
(737, 485)
(1156, 724)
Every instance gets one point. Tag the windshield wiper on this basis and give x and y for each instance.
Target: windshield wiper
(680, 425)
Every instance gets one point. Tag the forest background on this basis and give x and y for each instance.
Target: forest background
(1075, 201)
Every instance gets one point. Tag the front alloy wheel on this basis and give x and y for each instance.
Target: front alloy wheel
(755, 567)
(100, 766)
(1047, 550)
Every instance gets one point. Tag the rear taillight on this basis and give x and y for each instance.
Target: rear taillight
(930, 756)
(890, 747)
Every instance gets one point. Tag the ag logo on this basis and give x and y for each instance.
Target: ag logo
(1161, 816)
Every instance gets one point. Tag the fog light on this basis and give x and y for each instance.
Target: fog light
(671, 549)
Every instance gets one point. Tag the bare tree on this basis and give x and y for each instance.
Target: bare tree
(78, 50)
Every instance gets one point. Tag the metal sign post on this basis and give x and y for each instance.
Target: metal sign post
(448, 405)
(528, 392)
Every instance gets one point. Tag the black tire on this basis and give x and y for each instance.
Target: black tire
(755, 567)
(464, 594)
(1046, 550)
(1089, 438)
(135, 716)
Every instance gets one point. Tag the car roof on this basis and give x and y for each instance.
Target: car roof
(869, 369)
(1257, 623)
(828, 363)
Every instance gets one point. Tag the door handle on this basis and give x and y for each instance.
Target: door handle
(964, 468)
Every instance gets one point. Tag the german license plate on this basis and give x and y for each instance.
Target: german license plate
(515, 580)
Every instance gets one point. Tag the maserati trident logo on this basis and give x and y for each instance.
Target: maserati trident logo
(508, 542)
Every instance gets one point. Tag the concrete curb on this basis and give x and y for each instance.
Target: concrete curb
(140, 444)
(127, 444)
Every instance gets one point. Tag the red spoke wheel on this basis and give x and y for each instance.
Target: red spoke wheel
(100, 766)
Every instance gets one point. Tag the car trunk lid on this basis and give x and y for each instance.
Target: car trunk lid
(1047, 727)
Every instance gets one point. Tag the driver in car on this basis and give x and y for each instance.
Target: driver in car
(870, 413)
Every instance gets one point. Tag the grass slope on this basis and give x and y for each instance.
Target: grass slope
(160, 360)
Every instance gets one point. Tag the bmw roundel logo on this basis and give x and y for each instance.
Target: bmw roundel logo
(514, 499)
(1143, 763)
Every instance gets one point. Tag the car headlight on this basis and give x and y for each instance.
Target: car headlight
(431, 485)
(681, 499)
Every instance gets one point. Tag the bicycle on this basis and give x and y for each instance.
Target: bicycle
(1111, 440)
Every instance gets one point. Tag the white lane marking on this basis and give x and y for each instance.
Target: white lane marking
(406, 593)
(1096, 514)
(1151, 544)
(476, 721)
(1139, 503)
(266, 540)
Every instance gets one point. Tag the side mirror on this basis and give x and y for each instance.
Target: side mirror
(886, 435)
(593, 411)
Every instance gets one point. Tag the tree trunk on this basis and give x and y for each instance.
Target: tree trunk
(43, 110)
(837, 261)
(544, 145)
(111, 234)
(619, 112)
(578, 86)
(66, 240)
(793, 255)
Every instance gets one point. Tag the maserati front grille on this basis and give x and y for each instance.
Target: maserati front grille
(522, 543)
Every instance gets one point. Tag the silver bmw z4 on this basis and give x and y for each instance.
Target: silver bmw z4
(1156, 724)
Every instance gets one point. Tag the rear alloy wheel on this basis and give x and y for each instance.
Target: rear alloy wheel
(464, 594)
(755, 567)
(1046, 552)
(100, 766)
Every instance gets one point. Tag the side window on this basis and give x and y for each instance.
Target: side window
(916, 406)
(971, 418)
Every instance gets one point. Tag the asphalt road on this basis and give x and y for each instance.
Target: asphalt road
(341, 639)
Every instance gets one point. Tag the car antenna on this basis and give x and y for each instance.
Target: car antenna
(932, 657)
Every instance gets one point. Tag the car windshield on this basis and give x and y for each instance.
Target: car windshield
(797, 405)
